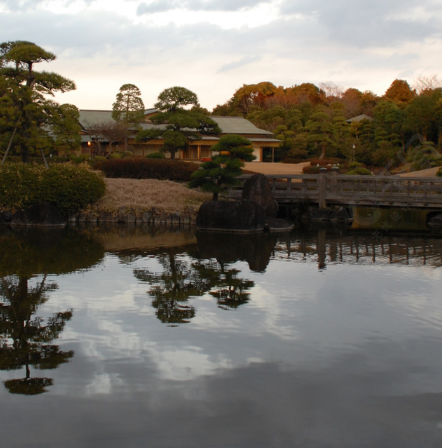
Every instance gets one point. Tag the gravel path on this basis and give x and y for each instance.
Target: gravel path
(296, 168)
(276, 168)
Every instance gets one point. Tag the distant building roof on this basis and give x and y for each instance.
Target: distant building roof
(360, 118)
(238, 125)
(228, 125)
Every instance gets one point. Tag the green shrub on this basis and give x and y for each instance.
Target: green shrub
(311, 169)
(121, 154)
(20, 185)
(138, 168)
(359, 171)
(77, 159)
(155, 155)
(353, 165)
(96, 162)
(68, 187)
(439, 173)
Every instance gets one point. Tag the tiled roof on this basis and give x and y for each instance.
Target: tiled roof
(228, 125)
(238, 125)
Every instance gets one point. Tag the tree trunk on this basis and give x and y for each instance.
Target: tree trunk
(24, 151)
(9, 145)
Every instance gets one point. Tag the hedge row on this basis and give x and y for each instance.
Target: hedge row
(137, 168)
(69, 188)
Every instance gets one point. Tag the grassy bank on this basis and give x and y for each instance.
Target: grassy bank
(145, 194)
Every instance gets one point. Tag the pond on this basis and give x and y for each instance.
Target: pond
(157, 337)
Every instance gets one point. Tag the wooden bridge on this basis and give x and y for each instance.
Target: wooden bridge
(334, 189)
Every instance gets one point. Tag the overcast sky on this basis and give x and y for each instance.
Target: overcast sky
(213, 47)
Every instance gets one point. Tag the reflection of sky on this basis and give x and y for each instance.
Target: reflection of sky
(321, 358)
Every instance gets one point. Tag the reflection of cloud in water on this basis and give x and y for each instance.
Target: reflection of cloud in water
(187, 363)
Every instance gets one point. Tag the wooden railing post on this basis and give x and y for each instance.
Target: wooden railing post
(334, 180)
(322, 187)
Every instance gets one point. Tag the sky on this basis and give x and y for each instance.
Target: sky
(213, 47)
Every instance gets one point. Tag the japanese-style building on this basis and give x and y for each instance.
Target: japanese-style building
(197, 150)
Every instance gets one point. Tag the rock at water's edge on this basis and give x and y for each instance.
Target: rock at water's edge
(257, 189)
(243, 216)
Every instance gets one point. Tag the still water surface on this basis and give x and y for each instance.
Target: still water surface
(162, 338)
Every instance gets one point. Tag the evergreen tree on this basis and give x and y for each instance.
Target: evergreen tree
(221, 173)
(26, 115)
(181, 125)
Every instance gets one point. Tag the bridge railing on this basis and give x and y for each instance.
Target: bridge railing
(353, 190)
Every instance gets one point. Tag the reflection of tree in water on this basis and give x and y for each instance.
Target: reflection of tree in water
(25, 340)
(183, 278)
(171, 288)
(224, 284)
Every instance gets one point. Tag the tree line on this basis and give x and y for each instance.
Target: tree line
(403, 125)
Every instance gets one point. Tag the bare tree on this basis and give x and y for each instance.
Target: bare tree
(423, 83)
(110, 131)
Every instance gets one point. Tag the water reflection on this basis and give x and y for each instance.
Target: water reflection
(184, 277)
(255, 249)
(276, 353)
(325, 246)
(26, 339)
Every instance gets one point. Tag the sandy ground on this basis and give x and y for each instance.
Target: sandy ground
(276, 168)
(296, 168)
(430, 172)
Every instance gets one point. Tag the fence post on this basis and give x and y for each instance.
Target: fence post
(322, 187)
(334, 180)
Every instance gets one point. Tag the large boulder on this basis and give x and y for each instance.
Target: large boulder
(43, 214)
(243, 216)
(257, 189)
(5, 218)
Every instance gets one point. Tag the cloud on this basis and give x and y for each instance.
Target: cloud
(198, 5)
(373, 22)
(239, 63)
(352, 45)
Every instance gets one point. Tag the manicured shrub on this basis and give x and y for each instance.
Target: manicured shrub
(20, 185)
(77, 159)
(359, 171)
(353, 165)
(311, 169)
(68, 187)
(155, 155)
(96, 162)
(138, 168)
(71, 188)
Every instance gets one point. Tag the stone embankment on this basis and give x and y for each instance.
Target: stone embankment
(46, 215)
(134, 216)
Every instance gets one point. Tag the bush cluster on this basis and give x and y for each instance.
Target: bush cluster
(155, 155)
(137, 168)
(68, 187)
(359, 171)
